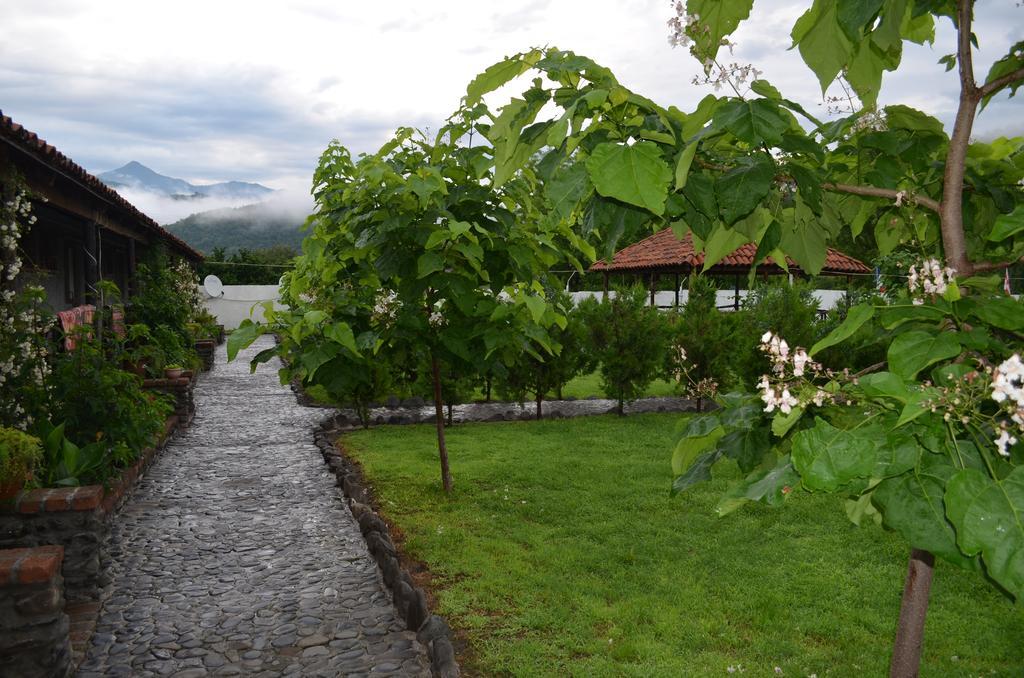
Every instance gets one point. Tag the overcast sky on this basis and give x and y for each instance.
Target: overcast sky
(253, 91)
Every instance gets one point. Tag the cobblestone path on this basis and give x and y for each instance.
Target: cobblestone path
(236, 556)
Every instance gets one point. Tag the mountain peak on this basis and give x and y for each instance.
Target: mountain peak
(136, 176)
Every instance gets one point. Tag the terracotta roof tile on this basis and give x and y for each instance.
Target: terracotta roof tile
(32, 144)
(664, 251)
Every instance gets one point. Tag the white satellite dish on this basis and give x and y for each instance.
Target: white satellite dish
(213, 286)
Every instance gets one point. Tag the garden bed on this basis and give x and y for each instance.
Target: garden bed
(561, 553)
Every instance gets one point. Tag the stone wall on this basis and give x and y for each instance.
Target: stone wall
(33, 625)
(181, 390)
(206, 348)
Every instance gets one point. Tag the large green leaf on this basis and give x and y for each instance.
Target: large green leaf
(855, 319)
(822, 42)
(719, 18)
(566, 189)
(429, 262)
(1003, 312)
(683, 164)
(698, 472)
(757, 122)
(742, 188)
(806, 245)
(828, 458)
(893, 316)
(746, 447)
(912, 352)
(700, 435)
(905, 117)
(770, 486)
(242, 336)
(912, 504)
(634, 174)
(989, 519)
(1007, 225)
(500, 73)
(341, 333)
(885, 385)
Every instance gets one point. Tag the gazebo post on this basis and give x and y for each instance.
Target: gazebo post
(736, 295)
(677, 290)
(604, 295)
(654, 281)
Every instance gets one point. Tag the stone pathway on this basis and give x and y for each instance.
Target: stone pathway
(235, 555)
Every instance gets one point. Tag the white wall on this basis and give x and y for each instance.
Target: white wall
(827, 299)
(237, 301)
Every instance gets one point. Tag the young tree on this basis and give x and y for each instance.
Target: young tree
(428, 225)
(629, 339)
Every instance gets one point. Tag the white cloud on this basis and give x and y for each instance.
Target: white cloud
(254, 91)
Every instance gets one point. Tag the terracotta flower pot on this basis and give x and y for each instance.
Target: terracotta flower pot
(173, 372)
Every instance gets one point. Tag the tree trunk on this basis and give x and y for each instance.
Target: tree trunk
(446, 475)
(540, 397)
(487, 382)
(906, 651)
(451, 414)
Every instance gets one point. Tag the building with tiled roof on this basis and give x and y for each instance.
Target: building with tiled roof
(665, 254)
(85, 231)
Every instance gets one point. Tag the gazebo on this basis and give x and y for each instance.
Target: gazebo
(665, 254)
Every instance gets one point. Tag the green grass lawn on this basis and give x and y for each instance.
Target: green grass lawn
(561, 553)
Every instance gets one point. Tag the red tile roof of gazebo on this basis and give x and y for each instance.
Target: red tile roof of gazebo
(664, 252)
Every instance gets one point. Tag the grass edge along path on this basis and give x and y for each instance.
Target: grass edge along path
(561, 553)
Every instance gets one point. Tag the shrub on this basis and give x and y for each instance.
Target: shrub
(629, 339)
(20, 455)
(98, 401)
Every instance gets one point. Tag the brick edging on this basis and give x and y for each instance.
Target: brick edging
(410, 600)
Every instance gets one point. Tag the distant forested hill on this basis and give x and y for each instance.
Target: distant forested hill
(253, 227)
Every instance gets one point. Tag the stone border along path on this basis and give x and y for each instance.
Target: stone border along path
(397, 414)
(237, 555)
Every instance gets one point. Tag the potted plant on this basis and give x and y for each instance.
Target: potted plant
(20, 454)
(173, 371)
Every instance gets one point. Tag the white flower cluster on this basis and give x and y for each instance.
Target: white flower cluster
(931, 278)
(681, 25)
(436, 317)
(1008, 391)
(385, 308)
(23, 326)
(787, 365)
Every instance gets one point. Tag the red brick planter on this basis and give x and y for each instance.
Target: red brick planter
(33, 625)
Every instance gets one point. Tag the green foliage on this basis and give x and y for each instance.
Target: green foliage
(539, 376)
(97, 401)
(629, 339)
(703, 332)
(20, 455)
(67, 464)
(166, 304)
